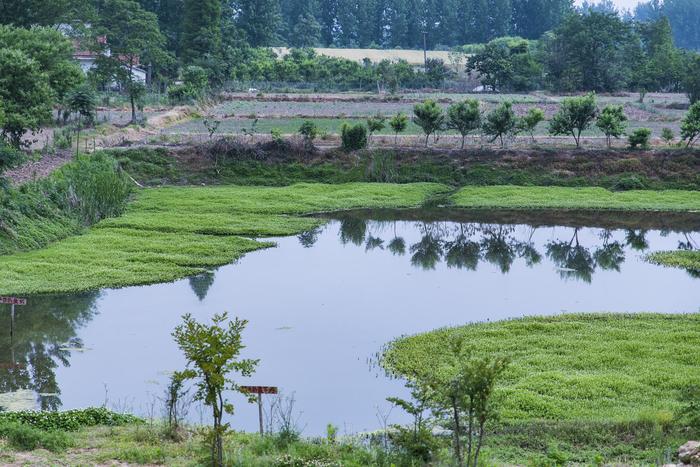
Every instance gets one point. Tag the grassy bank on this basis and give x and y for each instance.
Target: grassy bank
(287, 162)
(171, 233)
(75, 196)
(512, 197)
(572, 376)
(150, 444)
(689, 260)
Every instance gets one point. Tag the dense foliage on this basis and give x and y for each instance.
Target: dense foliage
(71, 420)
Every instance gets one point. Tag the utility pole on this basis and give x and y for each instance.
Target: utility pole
(425, 50)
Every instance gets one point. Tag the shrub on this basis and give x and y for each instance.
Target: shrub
(354, 137)
(381, 167)
(629, 182)
(501, 123)
(309, 132)
(93, 187)
(640, 138)
(429, 117)
(28, 438)
(667, 135)
(575, 115)
(612, 121)
(71, 420)
(9, 156)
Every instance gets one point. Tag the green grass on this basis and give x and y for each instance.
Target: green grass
(149, 444)
(601, 368)
(689, 260)
(170, 233)
(513, 197)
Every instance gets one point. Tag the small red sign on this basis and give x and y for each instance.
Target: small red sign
(259, 389)
(13, 301)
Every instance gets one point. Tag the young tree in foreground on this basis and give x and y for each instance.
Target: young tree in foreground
(464, 394)
(464, 117)
(429, 116)
(501, 123)
(612, 121)
(528, 123)
(212, 353)
(575, 115)
(690, 125)
(398, 124)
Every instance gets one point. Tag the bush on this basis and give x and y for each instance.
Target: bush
(71, 420)
(629, 182)
(9, 156)
(93, 187)
(640, 138)
(309, 132)
(354, 137)
(28, 438)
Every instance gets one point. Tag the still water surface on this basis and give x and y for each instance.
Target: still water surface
(322, 304)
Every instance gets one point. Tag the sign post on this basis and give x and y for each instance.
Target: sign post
(260, 390)
(12, 301)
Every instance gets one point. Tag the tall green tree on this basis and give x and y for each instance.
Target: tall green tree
(201, 30)
(170, 15)
(133, 39)
(532, 18)
(52, 50)
(25, 95)
(590, 52)
(261, 21)
(27, 13)
(691, 77)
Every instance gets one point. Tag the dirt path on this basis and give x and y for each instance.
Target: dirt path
(115, 136)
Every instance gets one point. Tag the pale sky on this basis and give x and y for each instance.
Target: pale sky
(621, 4)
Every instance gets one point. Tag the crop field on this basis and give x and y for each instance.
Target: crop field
(574, 367)
(245, 114)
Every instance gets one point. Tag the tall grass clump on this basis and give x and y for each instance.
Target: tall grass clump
(79, 194)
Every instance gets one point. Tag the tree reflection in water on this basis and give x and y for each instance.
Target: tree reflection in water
(464, 245)
(45, 332)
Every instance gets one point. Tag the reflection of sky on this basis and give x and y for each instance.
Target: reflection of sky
(317, 315)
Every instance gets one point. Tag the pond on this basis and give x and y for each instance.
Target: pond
(322, 304)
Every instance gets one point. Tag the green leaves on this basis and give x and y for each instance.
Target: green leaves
(690, 125)
(429, 116)
(212, 353)
(612, 122)
(464, 117)
(501, 123)
(575, 115)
